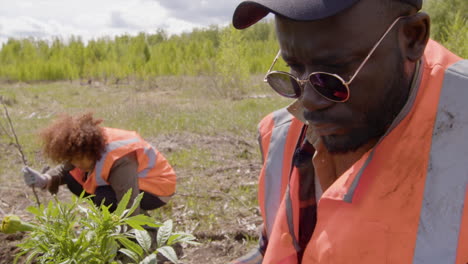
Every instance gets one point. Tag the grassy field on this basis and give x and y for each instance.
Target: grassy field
(208, 138)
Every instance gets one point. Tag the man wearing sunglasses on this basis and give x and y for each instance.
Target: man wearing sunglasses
(369, 164)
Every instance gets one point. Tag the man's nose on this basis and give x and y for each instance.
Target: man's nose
(312, 100)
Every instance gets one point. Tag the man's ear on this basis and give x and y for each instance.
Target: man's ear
(414, 35)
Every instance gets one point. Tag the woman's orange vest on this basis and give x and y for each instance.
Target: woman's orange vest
(405, 201)
(155, 174)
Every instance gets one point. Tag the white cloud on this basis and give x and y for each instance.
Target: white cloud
(96, 18)
(24, 27)
(118, 21)
(202, 11)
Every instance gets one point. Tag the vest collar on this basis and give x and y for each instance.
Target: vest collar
(366, 159)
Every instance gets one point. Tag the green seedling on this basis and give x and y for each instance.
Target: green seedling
(81, 232)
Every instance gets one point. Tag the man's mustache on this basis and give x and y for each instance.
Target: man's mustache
(324, 117)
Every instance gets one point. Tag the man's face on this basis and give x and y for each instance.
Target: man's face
(338, 45)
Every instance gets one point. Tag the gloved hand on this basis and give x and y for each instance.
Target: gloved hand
(35, 178)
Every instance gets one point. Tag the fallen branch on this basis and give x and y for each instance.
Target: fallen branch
(18, 145)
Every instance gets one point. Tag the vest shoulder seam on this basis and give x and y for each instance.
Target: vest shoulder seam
(458, 70)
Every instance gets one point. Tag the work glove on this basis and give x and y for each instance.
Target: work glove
(35, 178)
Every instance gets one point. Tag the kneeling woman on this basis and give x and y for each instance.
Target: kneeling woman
(103, 161)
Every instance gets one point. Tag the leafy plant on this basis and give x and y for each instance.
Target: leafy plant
(165, 240)
(81, 232)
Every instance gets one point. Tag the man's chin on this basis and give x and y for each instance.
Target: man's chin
(342, 144)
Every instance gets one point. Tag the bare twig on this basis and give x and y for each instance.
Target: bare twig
(5, 131)
(18, 145)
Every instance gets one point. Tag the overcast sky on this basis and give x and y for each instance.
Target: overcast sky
(95, 18)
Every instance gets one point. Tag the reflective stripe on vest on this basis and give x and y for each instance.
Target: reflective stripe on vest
(290, 219)
(274, 166)
(110, 147)
(152, 156)
(447, 176)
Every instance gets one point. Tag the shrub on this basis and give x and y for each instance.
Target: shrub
(81, 232)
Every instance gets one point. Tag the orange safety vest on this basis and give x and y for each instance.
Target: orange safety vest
(404, 201)
(155, 174)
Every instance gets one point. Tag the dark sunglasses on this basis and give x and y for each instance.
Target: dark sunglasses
(329, 85)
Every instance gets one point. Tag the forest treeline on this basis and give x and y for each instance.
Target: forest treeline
(210, 51)
(200, 52)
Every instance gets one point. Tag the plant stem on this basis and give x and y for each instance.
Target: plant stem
(18, 146)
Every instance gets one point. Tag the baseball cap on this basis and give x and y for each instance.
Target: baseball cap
(250, 12)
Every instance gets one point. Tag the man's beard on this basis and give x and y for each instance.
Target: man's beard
(377, 121)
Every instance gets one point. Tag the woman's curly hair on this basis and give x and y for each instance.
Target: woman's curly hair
(73, 137)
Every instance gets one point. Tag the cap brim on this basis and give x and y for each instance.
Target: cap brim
(248, 13)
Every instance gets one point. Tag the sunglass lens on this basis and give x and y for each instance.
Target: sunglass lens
(329, 86)
(284, 84)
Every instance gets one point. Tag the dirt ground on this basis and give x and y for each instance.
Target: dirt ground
(234, 166)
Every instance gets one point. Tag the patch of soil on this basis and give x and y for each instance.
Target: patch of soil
(8, 248)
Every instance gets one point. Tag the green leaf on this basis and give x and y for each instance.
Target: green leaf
(151, 259)
(52, 210)
(123, 203)
(182, 238)
(164, 233)
(131, 245)
(135, 204)
(32, 256)
(134, 256)
(18, 255)
(104, 213)
(35, 210)
(84, 210)
(139, 220)
(143, 238)
(81, 197)
(174, 238)
(169, 253)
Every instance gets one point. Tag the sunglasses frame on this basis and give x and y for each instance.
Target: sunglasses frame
(302, 83)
